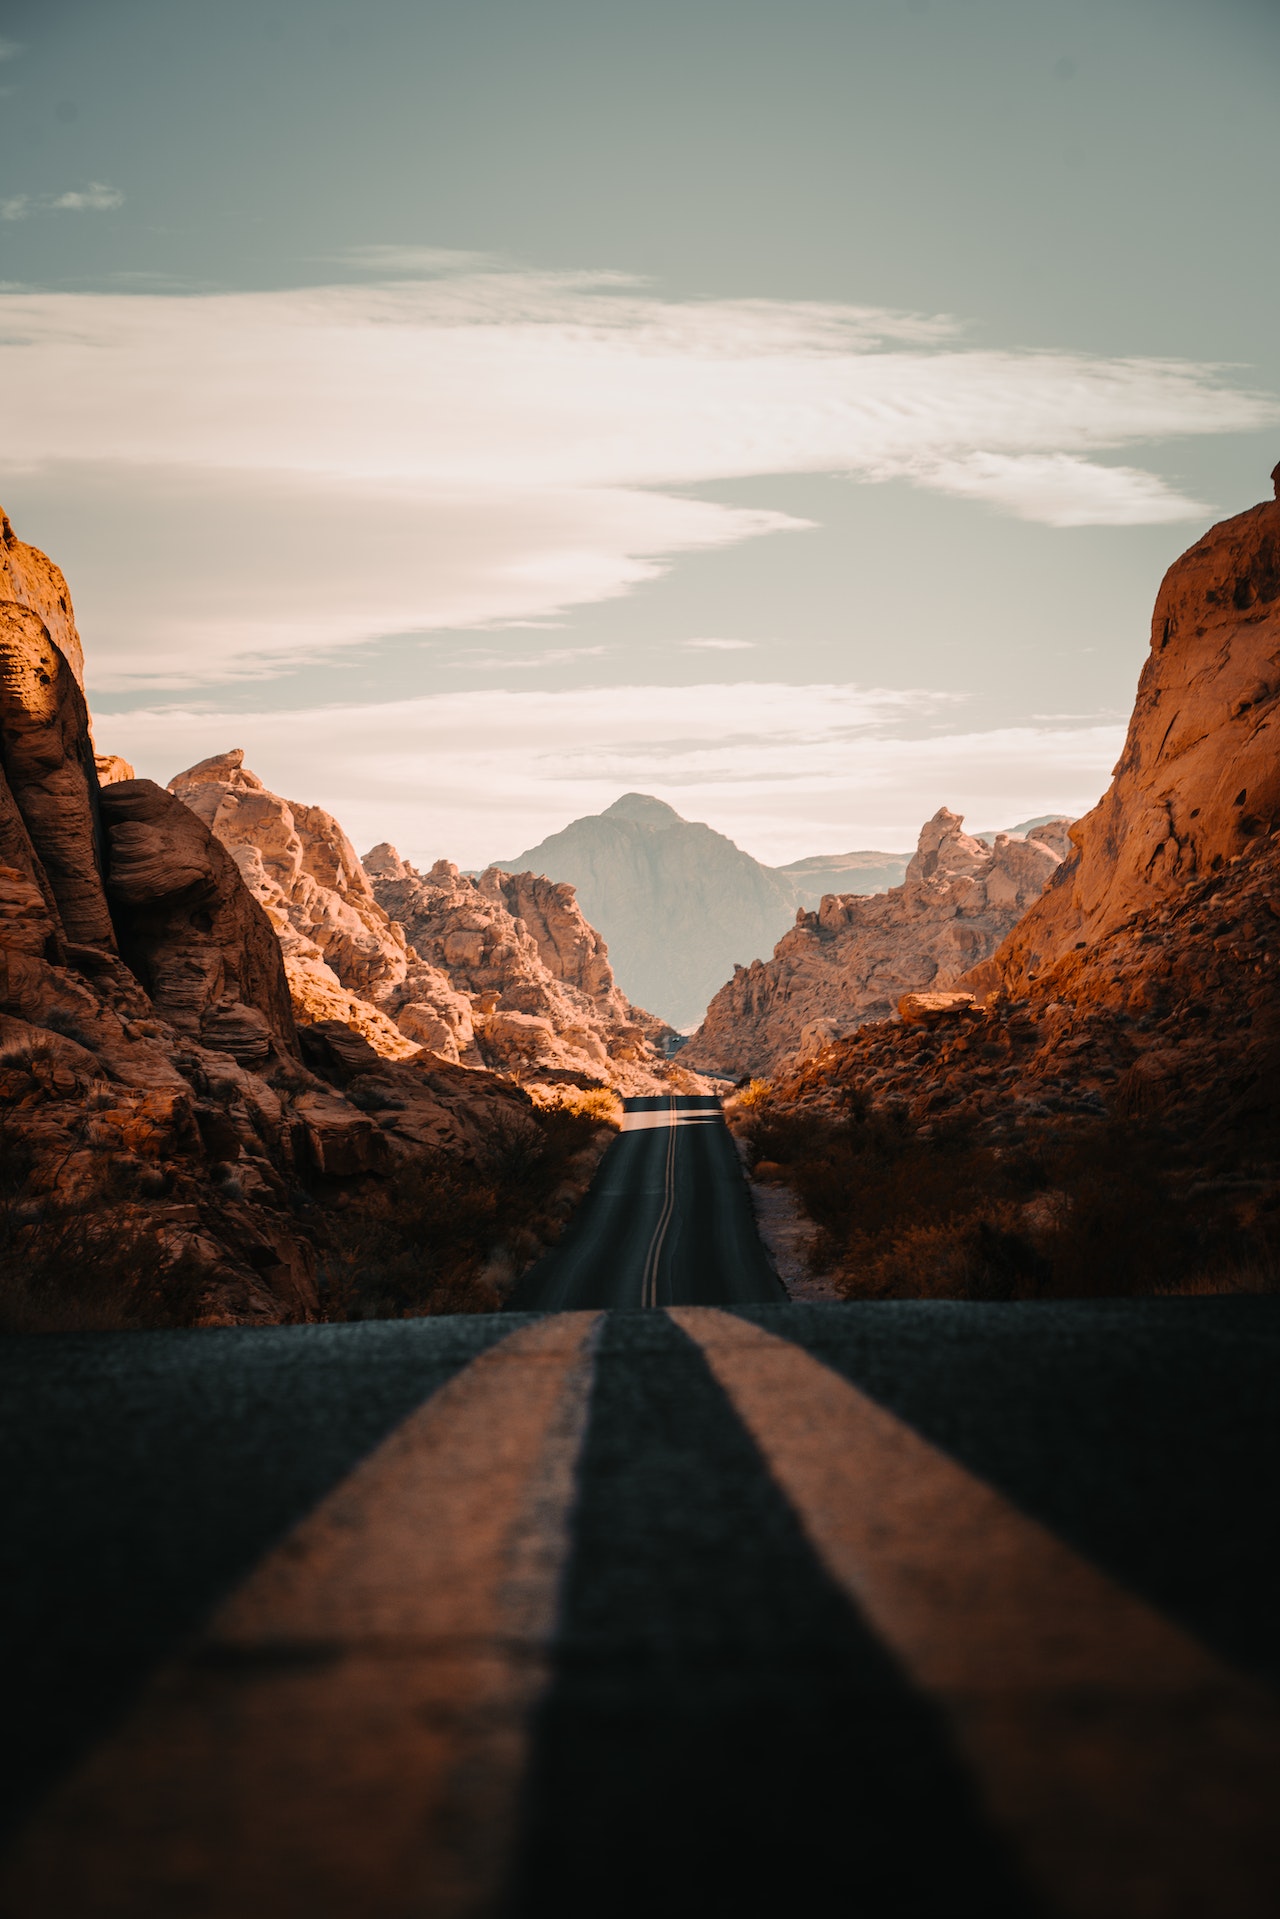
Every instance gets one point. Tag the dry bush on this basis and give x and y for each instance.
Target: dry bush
(445, 1235)
(752, 1097)
(597, 1103)
(1072, 1209)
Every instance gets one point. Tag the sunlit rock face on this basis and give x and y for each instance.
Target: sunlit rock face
(515, 952)
(858, 955)
(1198, 782)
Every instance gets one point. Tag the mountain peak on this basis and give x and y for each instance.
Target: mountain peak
(644, 810)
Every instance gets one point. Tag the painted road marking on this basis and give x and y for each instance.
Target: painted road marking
(649, 1280)
(349, 1735)
(1137, 1776)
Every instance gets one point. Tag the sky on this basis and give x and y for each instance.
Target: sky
(479, 409)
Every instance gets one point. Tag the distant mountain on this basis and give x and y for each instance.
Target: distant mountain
(863, 872)
(678, 903)
(1025, 826)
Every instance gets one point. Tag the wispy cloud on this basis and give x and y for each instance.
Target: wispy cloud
(720, 646)
(478, 775)
(10, 49)
(97, 197)
(477, 445)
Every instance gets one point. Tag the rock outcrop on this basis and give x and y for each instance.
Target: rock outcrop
(1109, 1119)
(29, 578)
(500, 973)
(508, 966)
(1198, 782)
(172, 1149)
(342, 953)
(854, 959)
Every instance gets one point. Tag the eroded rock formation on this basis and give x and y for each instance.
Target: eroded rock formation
(503, 972)
(1198, 782)
(172, 1149)
(342, 954)
(854, 958)
(515, 952)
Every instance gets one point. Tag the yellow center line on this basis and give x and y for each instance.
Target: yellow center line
(1137, 1776)
(649, 1282)
(348, 1736)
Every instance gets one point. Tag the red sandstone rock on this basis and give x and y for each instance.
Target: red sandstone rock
(199, 943)
(1199, 779)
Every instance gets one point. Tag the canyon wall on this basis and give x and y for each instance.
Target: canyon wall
(173, 1150)
(1198, 783)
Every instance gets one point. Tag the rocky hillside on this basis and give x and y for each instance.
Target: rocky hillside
(174, 1147)
(678, 903)
(852, 960)
(1109, 1120)
(503, 972)
(533, 974)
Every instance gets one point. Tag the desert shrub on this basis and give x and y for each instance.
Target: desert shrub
(1071, 1209)
(597, 1103)
(448, 1235)
(101, 1272)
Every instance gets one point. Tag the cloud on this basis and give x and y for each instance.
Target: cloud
(480, 444)
(10, 49)
(720, 646)
(189, 577)
(97, 197)
(1062, 490)
(785, 770)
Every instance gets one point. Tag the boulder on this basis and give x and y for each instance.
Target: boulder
(925, 1008)
(189, 929)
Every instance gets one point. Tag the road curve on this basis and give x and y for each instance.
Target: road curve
(667, 1221)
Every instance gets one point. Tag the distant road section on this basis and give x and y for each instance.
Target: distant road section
(667, 1222)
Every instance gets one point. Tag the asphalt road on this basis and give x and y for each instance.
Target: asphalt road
(906, 1610)
(667, 1221)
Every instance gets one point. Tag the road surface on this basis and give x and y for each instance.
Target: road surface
(903, 1610)
(667, 1221)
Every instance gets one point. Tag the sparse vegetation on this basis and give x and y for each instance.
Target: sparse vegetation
(597, 1103)
(1069, 1209)
(449, 1235)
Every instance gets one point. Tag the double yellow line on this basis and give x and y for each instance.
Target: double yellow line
(348, 1738)
(649, 1278)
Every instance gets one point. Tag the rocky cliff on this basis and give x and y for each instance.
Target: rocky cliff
(173, 1150)
(1198, 782)
(342, 953)
(854, 958)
